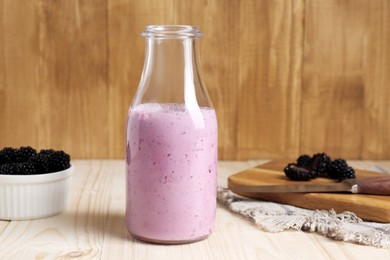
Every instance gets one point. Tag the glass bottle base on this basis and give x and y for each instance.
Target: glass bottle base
(169, 242)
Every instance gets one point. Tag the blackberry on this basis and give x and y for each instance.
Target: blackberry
(58, 161)
(15, 168)
(7, 155)
(304, 161)
(40, 163)
(335, 167)
(296, 173)
(24, 153)
(25, 168)
(348, 173)
(8, 169)
(46, 152)
(339, 169)
(26, 161)
(320, 163)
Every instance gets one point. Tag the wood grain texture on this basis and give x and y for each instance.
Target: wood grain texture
(285, 77)
(270, 76)
(55, 90)
(344, 96)
(93, 227)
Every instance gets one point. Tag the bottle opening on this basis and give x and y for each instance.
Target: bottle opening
(171, 31)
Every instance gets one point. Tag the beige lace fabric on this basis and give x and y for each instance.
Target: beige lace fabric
(274, 217)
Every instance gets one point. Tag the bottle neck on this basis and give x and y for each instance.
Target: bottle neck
(171, 69)
(173, 49)
(172, 60)
(171, 72)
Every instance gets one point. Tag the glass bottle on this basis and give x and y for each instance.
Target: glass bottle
(172, 143)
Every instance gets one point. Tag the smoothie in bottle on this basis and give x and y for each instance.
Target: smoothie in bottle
(171, 146)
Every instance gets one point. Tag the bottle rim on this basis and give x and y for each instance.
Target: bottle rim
(171, 31)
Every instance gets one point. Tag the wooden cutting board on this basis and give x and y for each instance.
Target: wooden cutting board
(368, 207)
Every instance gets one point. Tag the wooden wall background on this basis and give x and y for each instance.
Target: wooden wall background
(286, 76)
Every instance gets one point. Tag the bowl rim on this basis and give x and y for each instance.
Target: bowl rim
(36, 178)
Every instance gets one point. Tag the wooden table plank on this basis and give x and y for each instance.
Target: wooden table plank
(93, 227)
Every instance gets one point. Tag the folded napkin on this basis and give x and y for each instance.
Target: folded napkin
(274, 217)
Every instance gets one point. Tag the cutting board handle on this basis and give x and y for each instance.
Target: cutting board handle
(374, 185)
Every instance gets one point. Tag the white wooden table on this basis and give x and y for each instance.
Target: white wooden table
(93, 227)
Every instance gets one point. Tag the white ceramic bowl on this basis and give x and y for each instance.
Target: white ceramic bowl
(34, 196)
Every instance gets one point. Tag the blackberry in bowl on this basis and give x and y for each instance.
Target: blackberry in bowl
(33, 184)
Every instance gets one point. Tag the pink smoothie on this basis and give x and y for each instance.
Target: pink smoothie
(171, 172)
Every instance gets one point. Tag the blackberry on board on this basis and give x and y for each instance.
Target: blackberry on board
(296, 173)
(320, 163)
(339, 169)
(304, 161)
(348, 173)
